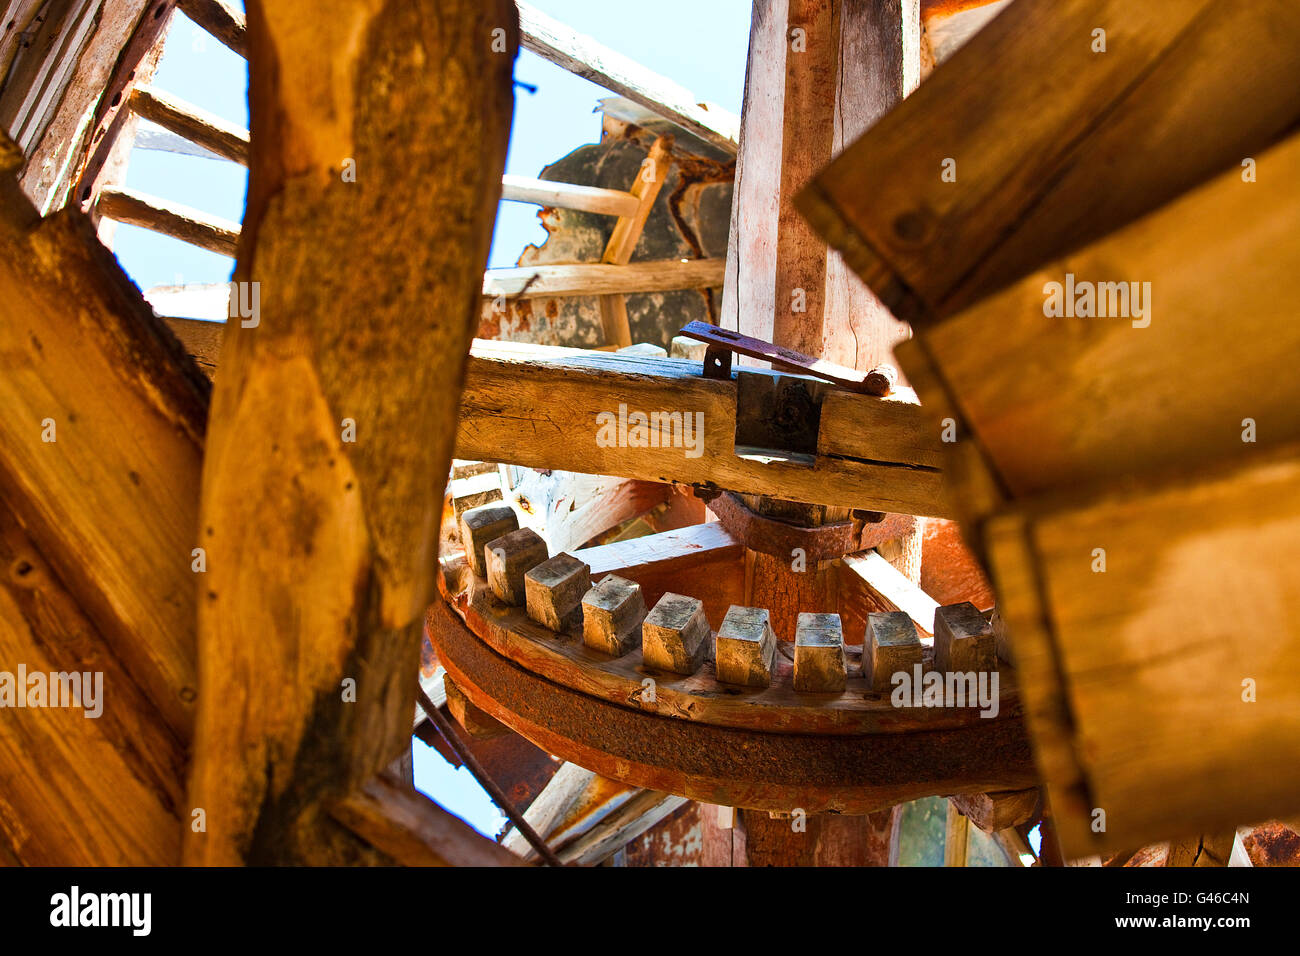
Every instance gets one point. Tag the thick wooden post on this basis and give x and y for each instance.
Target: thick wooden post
(379, 133)
(820, 72)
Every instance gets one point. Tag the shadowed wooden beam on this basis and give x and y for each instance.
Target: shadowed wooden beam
(169, 218)
(333, 420)
(934, 228)
(100, 447)
(413, 830)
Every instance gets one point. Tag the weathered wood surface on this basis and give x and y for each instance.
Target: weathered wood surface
(196, 124)
(1071, 401)
(100, 449)
(870, 583)
(544, 192)
(1137, 692)
(992, 812)
(510, 403)
(95, 36)
(1050, 164)
(582, 55)
(627, 232)
(704, 554)
(599, 278)
(318, 510)
(564, 658)
(413, 830)
(169, 218)
(222, 19)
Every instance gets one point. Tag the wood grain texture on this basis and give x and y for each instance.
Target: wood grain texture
(508, 404)
(193, 122)
(321, 550)
(606, 202)
(1048, 165)
(413, 830)
(594, 278)
(222, 19)
(169, 218)
(1070, 401)
(1134, 677)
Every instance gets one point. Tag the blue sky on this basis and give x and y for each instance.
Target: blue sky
(700, 44)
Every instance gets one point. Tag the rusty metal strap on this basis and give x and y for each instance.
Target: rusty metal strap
(779, 538)
(722, 342)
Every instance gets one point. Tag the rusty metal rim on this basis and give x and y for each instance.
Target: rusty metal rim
(731, 766)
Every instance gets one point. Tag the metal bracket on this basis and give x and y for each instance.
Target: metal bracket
(723, 342)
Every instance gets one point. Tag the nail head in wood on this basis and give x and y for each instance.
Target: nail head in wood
(746, 647)
(819, 664)
(675, 634)
(554, 589)
(612, 613)
(963, 640)
(508, 559)
(892, 645)
(478, 526)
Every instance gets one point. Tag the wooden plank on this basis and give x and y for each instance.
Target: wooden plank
(317, 490)
(220, 18)
(876, 453)
(52, 165)
(869, 580)
(623, 240)
(412, 830)
(544, 192)
(509, 403)
(1132, 396)
(111, 500)
(1050, 163)
(582, 55)
(592, 278)
(956, 837)
(620, 828)
(169, 218)
(547, 811)
(196, 124)
(1132, 690)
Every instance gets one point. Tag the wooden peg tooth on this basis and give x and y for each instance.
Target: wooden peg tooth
(612, 613)
(963, 640)
(675, 634)
(554, 590)
(480, 525)
(819, 664)
(892, 645)
(508, 559)
(746, 647)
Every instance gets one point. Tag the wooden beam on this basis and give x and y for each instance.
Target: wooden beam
(870, 583)
(83, 43)
(1171, 689)
(622, 241)
(1156, 411)
(196, 124)
(582, 55)
(100, 449)
(1044, 170)
(169, 218)
(645, 809)
(606, 202)
(320, 488)
(413, 830)
(509, 403)
(956, 837)
(220, 18)
(999, 810)
(529, 282)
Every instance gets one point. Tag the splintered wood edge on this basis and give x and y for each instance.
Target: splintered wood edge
(564, 659)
